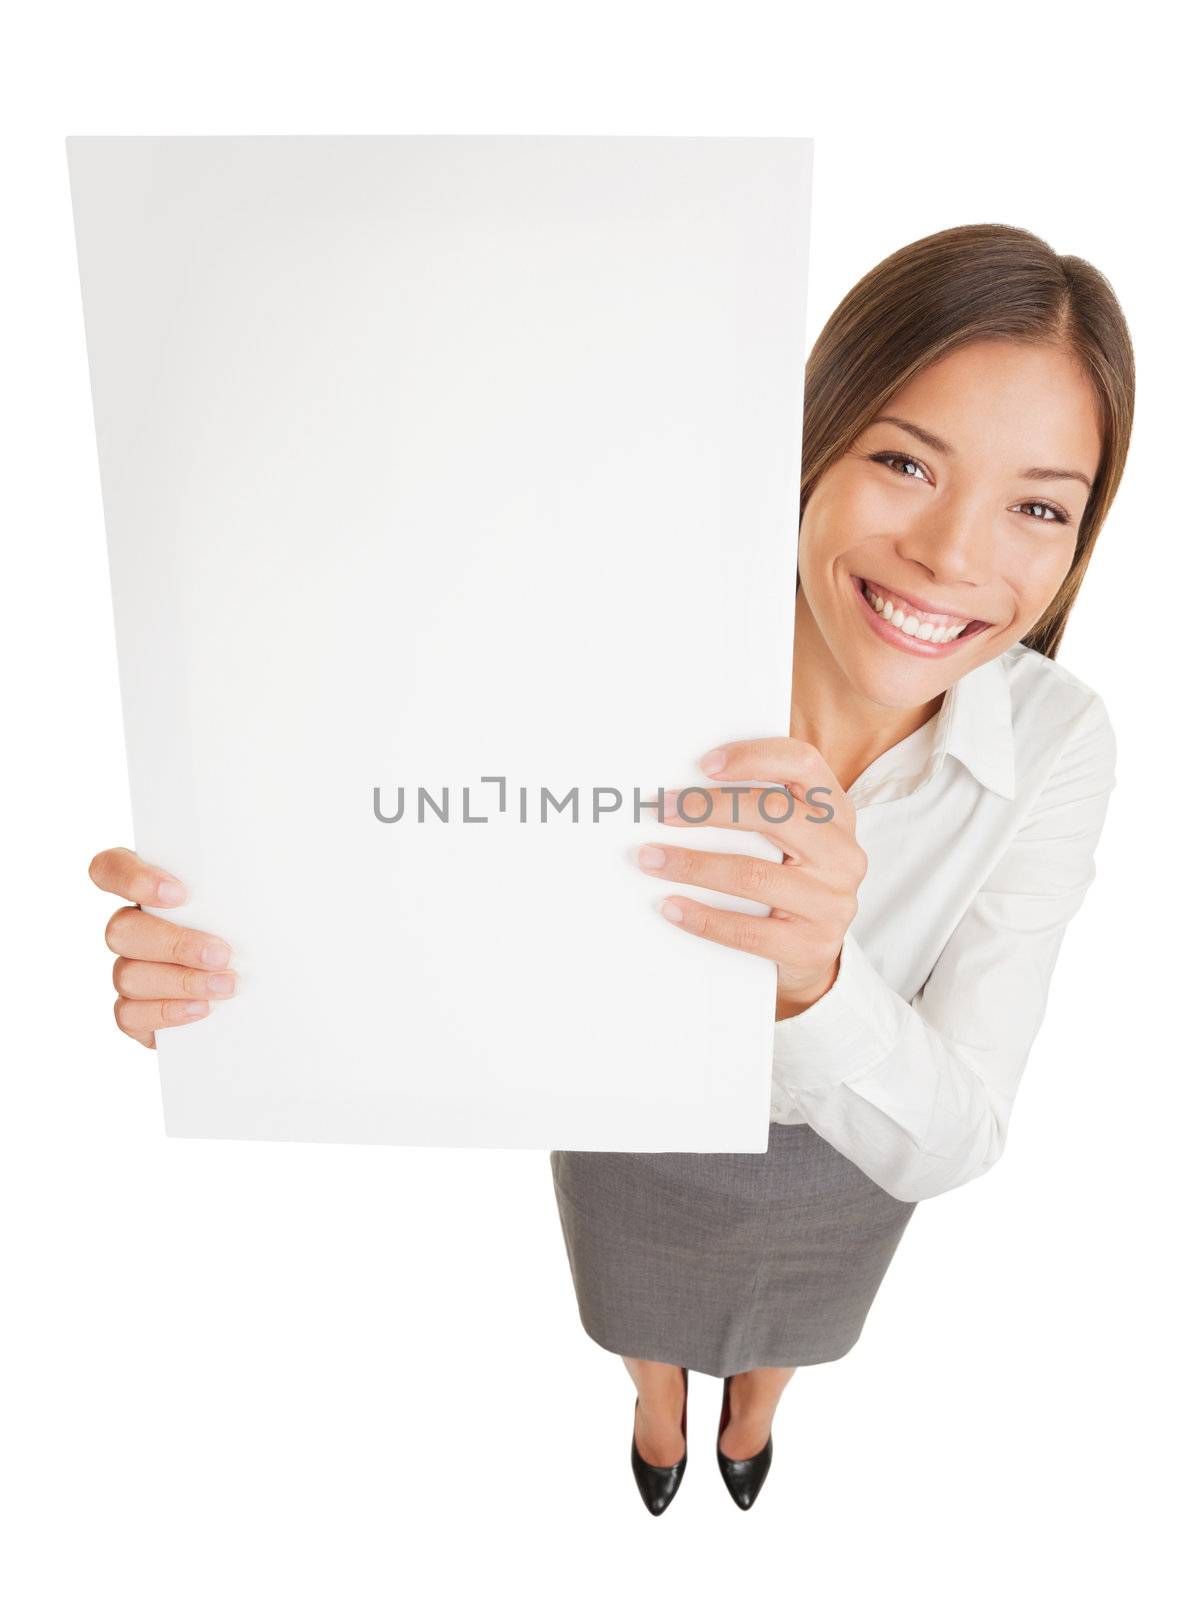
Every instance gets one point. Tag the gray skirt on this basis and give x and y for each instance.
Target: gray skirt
(720, 1262)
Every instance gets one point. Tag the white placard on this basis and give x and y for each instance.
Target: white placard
(426, 462)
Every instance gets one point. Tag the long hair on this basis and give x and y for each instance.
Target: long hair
(982, 281)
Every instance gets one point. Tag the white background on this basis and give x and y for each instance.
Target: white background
(304, 1370)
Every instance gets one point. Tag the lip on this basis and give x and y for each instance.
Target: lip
(917, 607)
(906, 641)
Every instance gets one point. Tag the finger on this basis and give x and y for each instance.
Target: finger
(799, 826)
(770, 937)
(783, 888)
(119, 871)
(135, 933)
(157, 980)
(770, 760)
(789, 761)
(140, 1019)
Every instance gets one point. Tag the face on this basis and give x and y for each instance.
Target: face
(942, 535)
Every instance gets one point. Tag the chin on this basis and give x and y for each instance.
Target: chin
(904, 685)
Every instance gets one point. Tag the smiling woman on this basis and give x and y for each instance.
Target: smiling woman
(950, 554)
(967, 416)
(946, 293)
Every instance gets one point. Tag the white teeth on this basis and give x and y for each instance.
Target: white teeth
(935, 633)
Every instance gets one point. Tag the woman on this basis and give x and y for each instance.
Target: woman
(967, 417)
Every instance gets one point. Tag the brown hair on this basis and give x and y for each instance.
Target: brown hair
(982, 281)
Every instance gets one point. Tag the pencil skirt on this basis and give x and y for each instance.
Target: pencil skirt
(720, 1262)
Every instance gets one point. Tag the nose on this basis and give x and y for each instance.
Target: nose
(953, 541)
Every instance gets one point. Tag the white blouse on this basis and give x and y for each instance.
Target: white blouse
(980, 829)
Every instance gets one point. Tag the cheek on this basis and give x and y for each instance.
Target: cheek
(854, 511)
(1036, 572)
(875, 507)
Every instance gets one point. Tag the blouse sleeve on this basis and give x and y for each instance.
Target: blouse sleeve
(918, 1094)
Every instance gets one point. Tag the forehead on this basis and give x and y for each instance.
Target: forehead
(1002, 399)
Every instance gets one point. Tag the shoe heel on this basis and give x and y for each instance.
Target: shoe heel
(743, 1478)
(658, 1486)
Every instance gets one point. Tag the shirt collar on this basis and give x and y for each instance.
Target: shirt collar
(974, 725)
(979, 730)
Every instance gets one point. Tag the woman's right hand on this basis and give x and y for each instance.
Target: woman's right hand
(164, 974)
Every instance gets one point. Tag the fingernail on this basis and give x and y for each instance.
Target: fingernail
(170, 892)
(712, 761)
(215, 955)
(671, 911)
(650, 855)
(196, 1008)
(221, 983)
(670, 808)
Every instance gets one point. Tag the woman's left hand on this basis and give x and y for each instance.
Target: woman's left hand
(813, 892)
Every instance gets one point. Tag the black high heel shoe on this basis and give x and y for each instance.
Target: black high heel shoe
(659, 1485)
(744, 1478)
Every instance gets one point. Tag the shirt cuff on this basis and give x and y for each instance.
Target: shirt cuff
(853, 1027)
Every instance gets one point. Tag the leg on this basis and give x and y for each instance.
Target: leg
(753, 1397)
(659, 1411)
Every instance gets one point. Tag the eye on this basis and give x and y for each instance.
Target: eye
(1045, 511)
(889, 458)
(906, 466)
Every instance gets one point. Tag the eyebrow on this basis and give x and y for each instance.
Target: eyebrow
(1035, 474)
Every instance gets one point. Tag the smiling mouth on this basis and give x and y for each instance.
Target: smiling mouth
(912, 624)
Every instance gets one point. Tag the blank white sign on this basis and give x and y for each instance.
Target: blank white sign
(426, 462)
